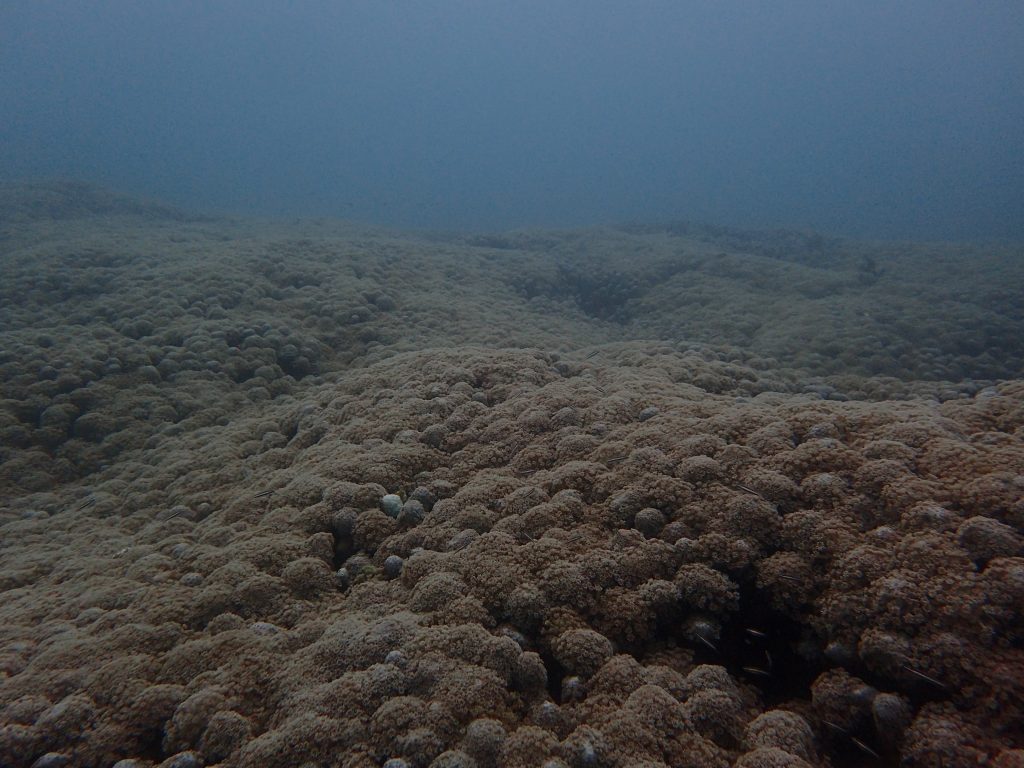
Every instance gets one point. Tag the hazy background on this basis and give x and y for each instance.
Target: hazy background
(866, 117)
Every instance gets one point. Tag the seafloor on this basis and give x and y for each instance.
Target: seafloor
(666, 495)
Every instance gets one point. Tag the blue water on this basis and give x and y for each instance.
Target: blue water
(866, 118)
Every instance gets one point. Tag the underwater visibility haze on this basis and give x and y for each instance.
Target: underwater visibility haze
(531, 385)
(877, 119)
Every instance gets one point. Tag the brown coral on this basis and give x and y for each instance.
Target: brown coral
(197, 565)
(582, 651)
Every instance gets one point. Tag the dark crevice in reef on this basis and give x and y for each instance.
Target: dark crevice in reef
(556, 676)
(604, 295)
(151, 746)
(600, 294)
(782, 658)
(761, 645)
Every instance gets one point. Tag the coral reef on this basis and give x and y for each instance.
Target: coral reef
(303, 515)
